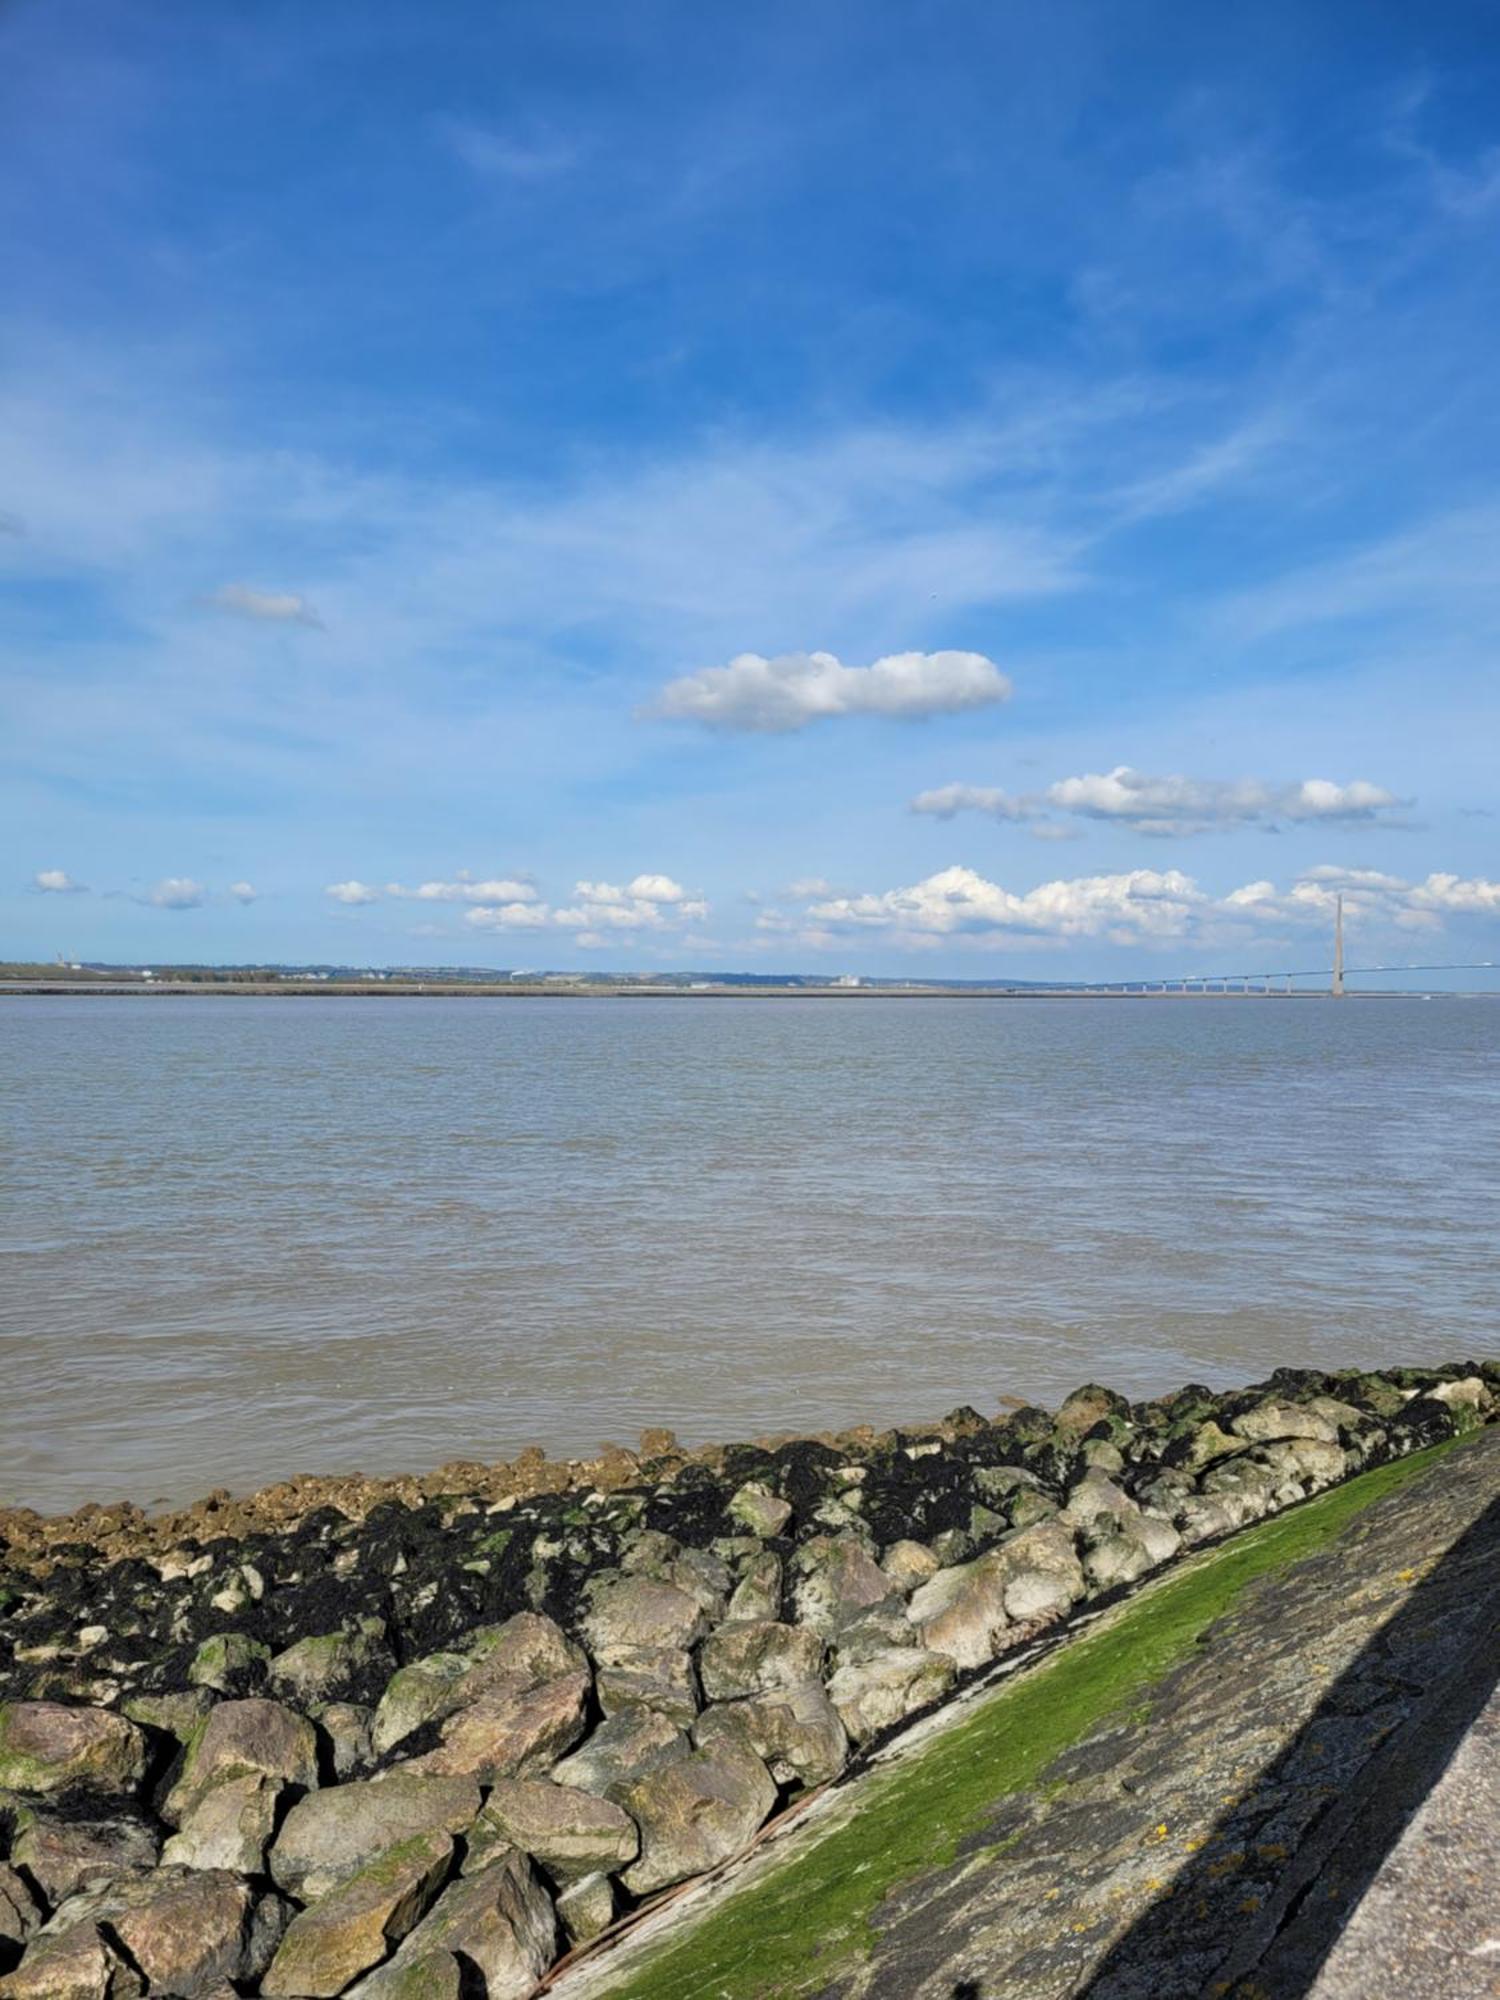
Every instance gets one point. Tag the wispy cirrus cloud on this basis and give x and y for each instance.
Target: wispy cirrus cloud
(788, 692)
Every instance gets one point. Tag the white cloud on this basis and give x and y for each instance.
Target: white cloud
(648, 902)
(465, 889)
(242, 892)
(57, 882)
(177, 892)
(352, 892)
(498, 156)
(1169, 806)
(794, 689)
(807, 888)
(273, 607)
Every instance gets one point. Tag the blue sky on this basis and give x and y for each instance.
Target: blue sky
(900, 488)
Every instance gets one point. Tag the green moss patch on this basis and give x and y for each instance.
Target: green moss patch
(790, 1931)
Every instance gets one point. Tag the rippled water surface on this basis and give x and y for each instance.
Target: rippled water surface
(244, 1238)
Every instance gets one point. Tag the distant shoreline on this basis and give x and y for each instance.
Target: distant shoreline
(516, 990)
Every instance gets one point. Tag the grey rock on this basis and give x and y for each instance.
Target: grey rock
(586, 1907)
(629, 1612)
(655, 1677)
(694, 1813)
(837, 1580)
(242, 1738)
(19, 1915)
(498, 1922)
(510, 1735)
(324, 1667)
(1274, 1419)
(330, 1835)
(227, 1825)
(63, 1856)
(621, 1750)
(228, 1662)
(355, 1925)
(349, 1727)
(763, 1512)
(569, 1831)
(757, 1595)
(877, 1692)
(796, 1732)
(909, 1563)
(746, 1659)
(47, 1747)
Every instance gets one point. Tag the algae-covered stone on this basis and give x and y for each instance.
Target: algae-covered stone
(329, 1664)
(80, 1963)
(694, 1813)
(415, 1695)
(436, 1975)
(1087, 1407)
(505, 1735)
(620, 1750)
(19, 1915)
(908, 1563)
(795, 1731)
(47, 1747)
(348, 1726)
(63, 1856)
(586, 1907)
(875, 1693)
(763, 1512)
(355, 1925)
(188, 1931)
(837, 1580)
(229, 1662)
(176, 1713)
(628, 1612)
(960, 1611)
(330, 1835)
(239, 1738)
(1274, 1419)
(656, 1677)
(498, 1924)
(227, 1825)
(1196, 1445)
(745, 1659)
(757, 1595)
(569, 1831)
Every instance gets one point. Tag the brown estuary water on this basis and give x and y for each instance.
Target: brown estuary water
(244, 1238)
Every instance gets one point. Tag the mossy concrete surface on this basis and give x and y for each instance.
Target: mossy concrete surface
(1011, 1853)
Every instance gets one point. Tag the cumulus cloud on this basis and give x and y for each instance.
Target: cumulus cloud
(465, 889)
(272, 607)
(601, 909)
(352, 892)
(1173, 806)
(1144, 906)
(177, 892)
(778, 695)
(242, 892)
(57, 882)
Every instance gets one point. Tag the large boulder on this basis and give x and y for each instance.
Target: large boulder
(497, 1660)
(620, 1751)
(63, 1856)
(244, 1738)
(875, 1693)
(628, 1612)
(19, 1915)
(227, 1825)
(752, 1658)
(510, 1735)
(80, 1963)
(694, 1813)
(498, 1924)
(330, 1664)
(1029, 1579)
(837, 1579)
(796, 1732)
(415, 1695)
(355, 1925)
(1276, 1418)
(659, 1678)
(188, 1931)
(586, 1907)
(757, 1595)
(330, 1835)
(46, 1747)
(570, 1832)
(760, 1510)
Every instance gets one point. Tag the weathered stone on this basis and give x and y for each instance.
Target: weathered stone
(763, 1512)
(227, 1825)
(960, 1612)
(1311, 1462)
(240, 1738)
(838, 1579)
(704, 1577)
(654, 1677)
(19, 1915)
(228, 1662)
(348, 1726)
(758, 1593)
(330, 1835)
(1097, 1497)
(570, 1832)
(586, 1907)
(1199, 1445)
(795, 1731)
(355, 1925)
(1275, 1419)
(745, 1659)
(175, 1714)
(1026, 1507)
(46, 1747)
(497, 1923)
(325, 1666)
(1088, 1406)
(77, 1964)
(414, 1695)
(909, 1563)
(694, 1813)
(436, 1975)
(621, 1750)
(510, 1735)
(875, 1693)
(628, 1612)
(186, 1930)
(63, 1856)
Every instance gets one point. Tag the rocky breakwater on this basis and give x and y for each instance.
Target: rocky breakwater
(423, 1745)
